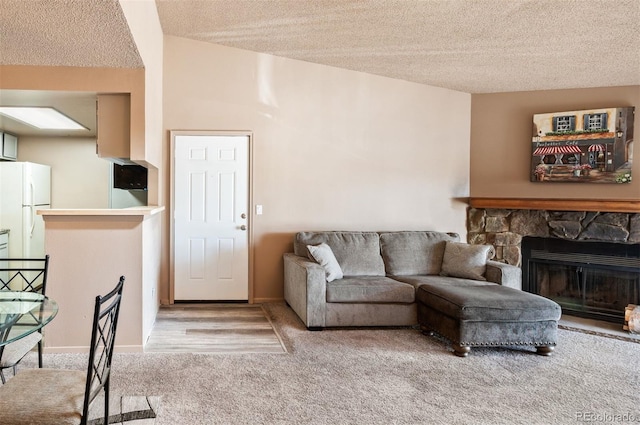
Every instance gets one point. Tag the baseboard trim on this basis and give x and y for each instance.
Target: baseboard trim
(267, 300)
(84, 350)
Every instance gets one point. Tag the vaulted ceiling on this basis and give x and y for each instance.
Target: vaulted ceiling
(474, 46)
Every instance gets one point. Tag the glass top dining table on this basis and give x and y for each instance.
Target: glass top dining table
(22, 313)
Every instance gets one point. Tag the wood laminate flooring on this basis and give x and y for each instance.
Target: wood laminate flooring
(213, 328)
(597, 327)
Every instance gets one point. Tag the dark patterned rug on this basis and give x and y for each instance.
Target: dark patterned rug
(132, 410)
(630, 338)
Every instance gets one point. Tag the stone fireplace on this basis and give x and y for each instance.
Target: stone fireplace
(590, 229)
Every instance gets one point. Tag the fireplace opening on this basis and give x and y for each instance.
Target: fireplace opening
(590, 279)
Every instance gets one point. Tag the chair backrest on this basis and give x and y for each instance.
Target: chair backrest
(27, 275)
(103, 334)
(24, 274)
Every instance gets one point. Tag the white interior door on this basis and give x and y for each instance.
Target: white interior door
(211, 207)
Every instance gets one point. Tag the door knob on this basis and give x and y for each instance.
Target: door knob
(243, 227)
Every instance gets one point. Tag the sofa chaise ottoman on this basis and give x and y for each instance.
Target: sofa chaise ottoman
(485, 314)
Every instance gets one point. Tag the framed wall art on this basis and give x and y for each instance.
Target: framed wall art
(589, 146)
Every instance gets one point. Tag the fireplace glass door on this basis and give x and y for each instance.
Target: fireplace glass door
(586, 290)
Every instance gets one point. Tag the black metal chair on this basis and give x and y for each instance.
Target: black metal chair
(22, 274)
(58, 396)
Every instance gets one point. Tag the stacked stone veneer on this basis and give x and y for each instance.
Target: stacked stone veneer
(504, 229)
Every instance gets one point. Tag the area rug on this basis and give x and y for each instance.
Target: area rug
(130, 410)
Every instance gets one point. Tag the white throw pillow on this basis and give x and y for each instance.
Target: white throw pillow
(324, 256)
(465, 260)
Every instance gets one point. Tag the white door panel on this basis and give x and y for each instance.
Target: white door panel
(211, 209)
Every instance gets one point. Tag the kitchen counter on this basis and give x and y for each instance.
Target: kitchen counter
(134, 211)
(90, 249)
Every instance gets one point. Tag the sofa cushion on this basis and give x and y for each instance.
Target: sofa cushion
(369, 289)
(487, 302)
(418, 280)
(358, 253)
(324, 256)
(414, 253)
(465, 260)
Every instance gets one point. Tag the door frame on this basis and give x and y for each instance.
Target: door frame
(250, 209)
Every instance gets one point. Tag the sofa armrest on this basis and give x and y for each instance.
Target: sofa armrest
(504, 274)
(305, 289)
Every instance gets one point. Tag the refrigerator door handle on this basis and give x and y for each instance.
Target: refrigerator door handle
(33, 220)
(33, 208)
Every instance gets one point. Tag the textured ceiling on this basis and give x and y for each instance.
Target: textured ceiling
(89, 33)
(475, 46)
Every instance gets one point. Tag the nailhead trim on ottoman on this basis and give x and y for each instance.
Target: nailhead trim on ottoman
(488, 315)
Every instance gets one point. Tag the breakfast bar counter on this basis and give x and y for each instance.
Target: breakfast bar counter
(134, 211)
(89, 250)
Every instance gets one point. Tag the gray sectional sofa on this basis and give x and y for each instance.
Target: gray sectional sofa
(379, 273)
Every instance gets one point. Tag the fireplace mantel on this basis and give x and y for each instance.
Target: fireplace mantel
(603, 205)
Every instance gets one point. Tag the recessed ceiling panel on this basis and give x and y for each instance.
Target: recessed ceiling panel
(80, 106)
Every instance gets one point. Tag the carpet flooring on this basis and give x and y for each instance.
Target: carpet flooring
(383, 376)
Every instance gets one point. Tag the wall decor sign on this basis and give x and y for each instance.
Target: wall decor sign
(589, 146)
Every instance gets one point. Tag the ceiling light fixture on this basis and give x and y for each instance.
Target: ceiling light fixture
(45, 118)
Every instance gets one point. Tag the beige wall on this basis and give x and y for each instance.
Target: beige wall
(501, 130)
(99, 80)
(79, 179)
(151, 271)
(332, 149)
(88, 255)
(144, 23)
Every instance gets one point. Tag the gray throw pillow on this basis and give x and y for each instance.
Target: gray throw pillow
(466, 261)
(323, 255)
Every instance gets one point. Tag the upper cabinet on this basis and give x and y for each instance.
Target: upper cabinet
(8, 147)
(113, 126)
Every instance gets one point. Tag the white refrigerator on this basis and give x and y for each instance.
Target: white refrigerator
(25, 187)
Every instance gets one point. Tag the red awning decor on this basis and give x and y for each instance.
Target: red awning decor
(552, 150)
(598, 147)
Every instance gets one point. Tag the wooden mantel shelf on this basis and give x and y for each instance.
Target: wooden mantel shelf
(609, 205)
